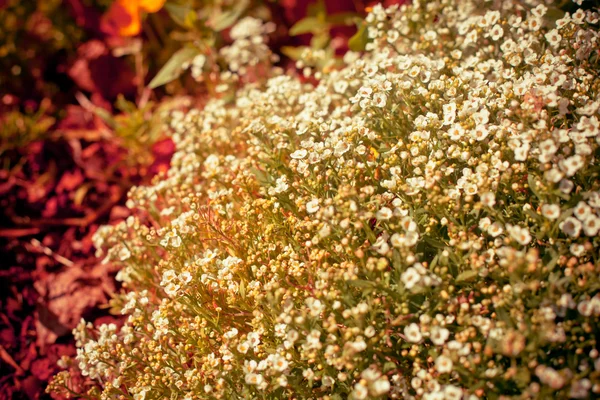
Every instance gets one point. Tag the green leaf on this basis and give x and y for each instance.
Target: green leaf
(389, 366)
(227, 18)
(344, 18)
(466, 275)
(174, 67)
(361, 283)
(359, 41)
(531, 179)
(320, 41)
(182, 15)
(261, 176)
(308, 25)
(293, 52)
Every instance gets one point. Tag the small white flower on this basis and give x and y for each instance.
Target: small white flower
(572, 164)
(496, 32)
(360, 392)
(480, 132)
(582, 211)
(327, 381)
(380, 387)
(443, 364)
(253, 379)
(282, 381)
(484, 223)
(571, 226)
(488, 199)
(380, 99)
(312, 206)
(452, 392)
(591, 225)
(299, 154)
(243, 347)
(124, 253)
(551, 211)
(408, 224)
(553, 38)
(171, 289)
(410, 278)
(439, 335)
(521, 235)
(495, 229)
(384, 214)
(413, 333)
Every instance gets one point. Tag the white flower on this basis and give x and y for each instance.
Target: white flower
(551, 211)
(456, 132)
(281, 184)
(582, 211)
(411, 238)
(253, 379)
(381, 245)
(308, 373)
(243, 347)
(572, 164)
(124, 253)
(380, 387)
(521, 152)
(384, 214)
(230, 334)
(253, 339)
(591, 225)
(439, 335)
(451, 392)
(171, 289)
(484, 223)
(299, 154)
(553, 38)
(571, 226)
(380, 99)
(577, 249)
(521, 235)
(312, 206)
(449, 113)
(282, 381)
(488, 199)
(408, 224)
(410, 278)
(413, 333)
(443, 364)
(495, 229)
(360, 392)
(480, 132)
(496, 32)
(327, 381)
(548, 147)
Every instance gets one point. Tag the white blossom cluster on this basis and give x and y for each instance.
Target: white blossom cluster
(422, 223)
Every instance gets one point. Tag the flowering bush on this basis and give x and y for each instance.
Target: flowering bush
(420, 223)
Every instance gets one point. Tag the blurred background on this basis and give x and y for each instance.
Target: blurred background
(85, 87)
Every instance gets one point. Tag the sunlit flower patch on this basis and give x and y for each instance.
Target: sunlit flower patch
(422, 223)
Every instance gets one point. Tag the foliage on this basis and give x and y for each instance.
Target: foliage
(421, 223)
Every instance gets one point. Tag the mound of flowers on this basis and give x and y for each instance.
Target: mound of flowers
(420, 223)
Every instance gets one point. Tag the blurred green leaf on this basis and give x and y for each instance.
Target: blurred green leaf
(227, 18)
(293, 52)
(359, 41)
(182, 15)
(308, 25)
(466, 276)
(320, 41)
(174, 67)
(345, 18)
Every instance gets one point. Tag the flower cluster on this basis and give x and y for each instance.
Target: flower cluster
(419, 224)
